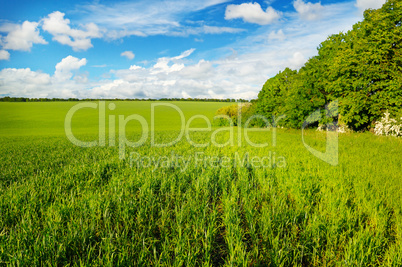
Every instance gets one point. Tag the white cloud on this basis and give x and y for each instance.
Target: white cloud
(172, 77)
(252, 12)
(4, 55)
(162, 64)
(279, 35)
(200, 70)
(118, 89)
(81, 78)
(128, 54)
(7, 27)
(185, 54)
(60, 28)
(24, 82)
(308, 11)
(21, 37)
(29, 83)
(135, 67)
(366, 4)
(297, 60)
(66, 65)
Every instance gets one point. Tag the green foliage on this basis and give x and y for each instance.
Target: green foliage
(273, 98)
(229, 115)
(360, 68)
(290, 94)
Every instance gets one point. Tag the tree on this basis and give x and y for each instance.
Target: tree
(361, 68)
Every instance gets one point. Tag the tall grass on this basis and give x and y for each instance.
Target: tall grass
(65, 205)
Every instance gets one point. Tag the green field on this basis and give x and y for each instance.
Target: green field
(183, 205)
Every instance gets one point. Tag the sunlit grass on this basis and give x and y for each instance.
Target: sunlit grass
(66, 205)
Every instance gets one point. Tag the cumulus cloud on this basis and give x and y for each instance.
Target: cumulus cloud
(308, 11)
(4, 55)
(21, 37)
(169, 77)
(297, 60)
(65, 67)
(78, 39)
(135, 67)
(24, 82)
(366, 4)
(29, 83)
(128, 54)
(118, 89)
(202, 70)
(162, 64)
(252, 12)
(278, 35)
(179, 77)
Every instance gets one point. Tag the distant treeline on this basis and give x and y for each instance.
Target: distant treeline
(25, 99)
(361, 69)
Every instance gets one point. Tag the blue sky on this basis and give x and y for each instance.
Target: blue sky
(154, 49)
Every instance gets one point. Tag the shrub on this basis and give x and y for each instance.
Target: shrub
(232, 112)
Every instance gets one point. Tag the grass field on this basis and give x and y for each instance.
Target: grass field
(62, 204)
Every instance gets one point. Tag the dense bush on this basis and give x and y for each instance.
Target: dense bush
(229, 115)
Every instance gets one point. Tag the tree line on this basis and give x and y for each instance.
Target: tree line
(361, 68)
(26, 99)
